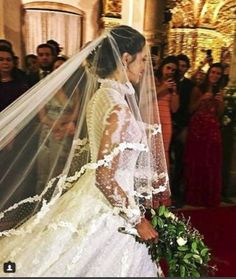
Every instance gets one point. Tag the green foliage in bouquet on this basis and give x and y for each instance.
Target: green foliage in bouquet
(179, 244)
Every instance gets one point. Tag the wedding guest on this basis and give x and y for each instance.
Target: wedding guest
(6, 43)
(203, 153)
(56, 46)
(12, 85)
(168, 98)
(180, 124)
(59, 61)
(46, 56)
(31, 64)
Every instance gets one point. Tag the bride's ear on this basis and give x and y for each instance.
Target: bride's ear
(126, 58)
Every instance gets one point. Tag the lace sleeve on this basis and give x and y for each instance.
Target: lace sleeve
(161, 188)
(160, 178)
(114, 134)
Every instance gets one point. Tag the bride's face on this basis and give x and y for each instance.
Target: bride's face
(135, 68)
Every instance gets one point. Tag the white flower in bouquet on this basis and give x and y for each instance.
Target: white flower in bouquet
(181, 241)
(226, 120)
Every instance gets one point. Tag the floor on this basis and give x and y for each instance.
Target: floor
(226, 202)
(217, 225)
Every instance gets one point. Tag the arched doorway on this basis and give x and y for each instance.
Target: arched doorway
(60, 22)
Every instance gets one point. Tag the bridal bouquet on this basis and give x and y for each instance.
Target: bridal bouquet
(180, 245)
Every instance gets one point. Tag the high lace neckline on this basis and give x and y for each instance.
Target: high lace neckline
(124, 88)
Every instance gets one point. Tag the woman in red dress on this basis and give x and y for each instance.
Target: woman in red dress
(203, 153)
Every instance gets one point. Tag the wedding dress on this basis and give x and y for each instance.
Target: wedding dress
(79, 235)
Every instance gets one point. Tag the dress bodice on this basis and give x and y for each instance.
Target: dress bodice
(208, 107)
(110, 98)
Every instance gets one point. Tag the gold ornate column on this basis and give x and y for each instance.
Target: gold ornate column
(156, 27)
(153, 21)
(232, 82)
(198, 26)
(111, 13)
(184, 40)
(194, 42)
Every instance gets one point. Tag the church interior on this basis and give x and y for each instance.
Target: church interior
(197, 28)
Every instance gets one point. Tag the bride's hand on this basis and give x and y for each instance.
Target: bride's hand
(146, 231)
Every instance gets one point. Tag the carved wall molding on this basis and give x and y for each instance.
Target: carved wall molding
(155, 37)
(112, 8)
(212, 14)
(53, 6)
(212, 21)
(109, 22)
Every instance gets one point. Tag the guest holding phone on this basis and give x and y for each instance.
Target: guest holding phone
(203, 153)
(168, 103)
(168, 98)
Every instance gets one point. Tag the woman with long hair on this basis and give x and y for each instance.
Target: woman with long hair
(203, 154)
(168, 98)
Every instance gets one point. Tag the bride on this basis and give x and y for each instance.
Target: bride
(85, 220)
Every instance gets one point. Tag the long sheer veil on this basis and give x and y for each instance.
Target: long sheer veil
(44, 141)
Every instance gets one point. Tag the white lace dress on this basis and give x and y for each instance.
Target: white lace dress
(78, 235)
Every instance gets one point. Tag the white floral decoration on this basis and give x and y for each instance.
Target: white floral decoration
(226, 120)
(108, 158)
(181, 241)
(156, 129)
(160, 189)
(65, 182)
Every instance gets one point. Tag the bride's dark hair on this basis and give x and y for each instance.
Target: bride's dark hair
(127, 40)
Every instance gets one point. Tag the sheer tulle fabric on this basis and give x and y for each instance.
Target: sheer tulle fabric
(81, 155)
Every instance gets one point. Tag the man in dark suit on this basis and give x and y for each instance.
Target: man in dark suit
(46, 56)
(180, 122)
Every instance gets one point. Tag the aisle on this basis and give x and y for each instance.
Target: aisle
(218, 225)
